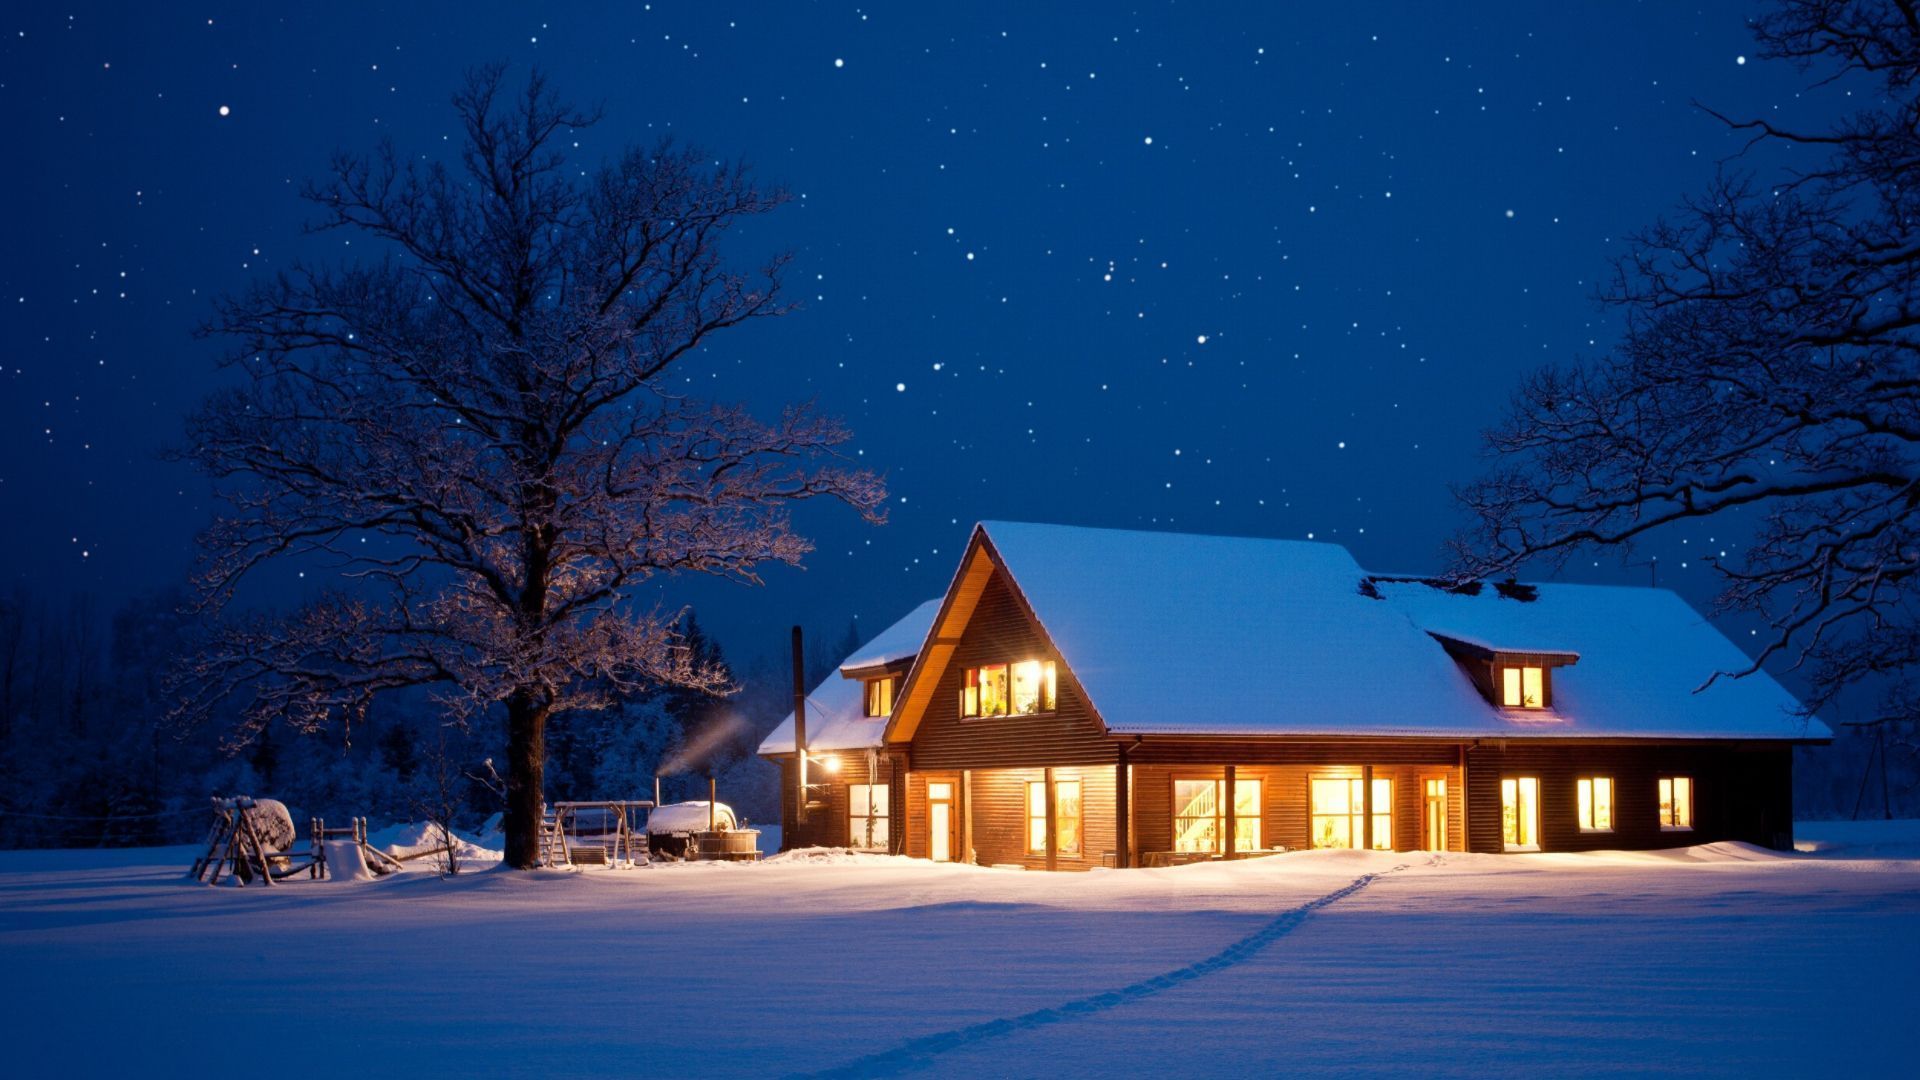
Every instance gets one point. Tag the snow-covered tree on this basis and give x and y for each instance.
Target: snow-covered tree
(1768, 378)
(628, 742)
(475, 430)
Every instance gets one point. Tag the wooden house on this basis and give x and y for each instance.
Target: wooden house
(1091, 697)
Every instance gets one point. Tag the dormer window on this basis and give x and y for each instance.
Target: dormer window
(1018, 689)
(1512, 675)
(880, 696)
(1523, 687)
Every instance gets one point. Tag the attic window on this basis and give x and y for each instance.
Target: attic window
(880, 697)
(1018, 689)
(1523, 687)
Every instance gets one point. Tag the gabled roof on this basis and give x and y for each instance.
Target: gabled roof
(1643, 654)
(836, 708)
(1182, 634)
(1178, 634)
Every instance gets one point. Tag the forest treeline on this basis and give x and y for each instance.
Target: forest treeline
(90, 757)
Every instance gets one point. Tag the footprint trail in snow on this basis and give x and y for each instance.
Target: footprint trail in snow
(919, 1053)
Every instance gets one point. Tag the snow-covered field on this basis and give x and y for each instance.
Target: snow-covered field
(1721, 960)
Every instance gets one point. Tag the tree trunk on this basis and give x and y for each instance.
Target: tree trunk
(526, 778)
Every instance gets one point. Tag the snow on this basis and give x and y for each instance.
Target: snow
(1722, 959)
(897, 642)
(1643, 655)
(1859, 839)
(1163, 630)
(836, 709)
(347, 862)
(687, 817)
(1125, 608)
(416, 837)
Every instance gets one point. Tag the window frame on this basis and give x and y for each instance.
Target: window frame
(1671, 782)
(972, 685)
(1532, 819)
(1357, 812)
(1587, 803)
(1079, 817)
(1223, 817)
(870, 687)
(1428, 798)
(1382, 839)
(1037, 815)
(1519, 674)
(883, 819)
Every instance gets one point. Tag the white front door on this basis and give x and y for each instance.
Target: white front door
(940, 822)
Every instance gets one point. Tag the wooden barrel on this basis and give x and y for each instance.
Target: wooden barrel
(732, 845)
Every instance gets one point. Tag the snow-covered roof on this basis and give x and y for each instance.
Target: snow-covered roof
(1176, 633)
(689, 817)
(836, 708)
(1643, 654)
(1487, 649)
(890, 647)
(1172, 633)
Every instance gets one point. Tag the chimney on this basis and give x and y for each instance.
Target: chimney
(799, 730)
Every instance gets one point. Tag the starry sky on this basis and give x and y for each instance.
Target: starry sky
(1262, 270)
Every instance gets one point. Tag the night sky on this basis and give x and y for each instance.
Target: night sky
(1263, 272)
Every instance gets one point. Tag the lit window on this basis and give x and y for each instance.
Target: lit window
(1198, 824)
(867, 816)
(1520, 813)
(1036, 817)
(1436, 805)
(1021, 689)
(880, 697)
(1066, 817)
(1339, 814)
(1033, 682)
(1383, 815)
(1596, 803)
(1676, 802)
(1523, 688)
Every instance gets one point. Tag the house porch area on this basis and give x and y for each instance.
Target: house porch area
(1166, 813)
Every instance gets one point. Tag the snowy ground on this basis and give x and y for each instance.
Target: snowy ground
(1721, 960)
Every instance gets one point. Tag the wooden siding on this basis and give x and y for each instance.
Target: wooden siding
(829, 826)
(1276, 750)
(1739, 793)
(970, 581)
(1000, 631)
(993, 815)
(1285, 804)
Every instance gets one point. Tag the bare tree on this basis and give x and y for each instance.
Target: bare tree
(437, 800)
(1768, 378)
(477, 433)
